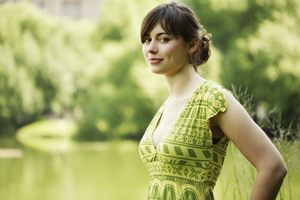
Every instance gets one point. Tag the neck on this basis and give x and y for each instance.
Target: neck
(183, 83)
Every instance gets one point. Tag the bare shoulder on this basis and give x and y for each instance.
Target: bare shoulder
(235, 121)
(249, 138)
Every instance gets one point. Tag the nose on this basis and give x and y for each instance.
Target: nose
(152, 47)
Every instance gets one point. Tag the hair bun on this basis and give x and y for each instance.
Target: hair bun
(204, 47)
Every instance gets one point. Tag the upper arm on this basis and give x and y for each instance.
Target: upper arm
(249, 138)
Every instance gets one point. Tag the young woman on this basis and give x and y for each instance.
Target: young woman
(185, 145)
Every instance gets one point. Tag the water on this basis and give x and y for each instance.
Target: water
(92, 171)
(64, 170)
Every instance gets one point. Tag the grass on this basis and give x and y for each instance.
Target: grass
(286, 140)
(238, 175)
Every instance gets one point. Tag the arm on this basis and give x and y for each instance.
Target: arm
(253, 143)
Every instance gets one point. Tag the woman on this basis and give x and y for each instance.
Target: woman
(185, 144)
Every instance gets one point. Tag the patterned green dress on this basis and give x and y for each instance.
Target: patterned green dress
(186, 164)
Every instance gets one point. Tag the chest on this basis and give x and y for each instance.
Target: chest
(170, 115)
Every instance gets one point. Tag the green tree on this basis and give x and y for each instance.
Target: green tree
(118, 106)
(41, 64)
(258, 43)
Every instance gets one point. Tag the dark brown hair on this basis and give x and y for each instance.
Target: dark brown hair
(179, 20)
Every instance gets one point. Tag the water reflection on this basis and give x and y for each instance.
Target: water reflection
(10, 153)
(84, 171)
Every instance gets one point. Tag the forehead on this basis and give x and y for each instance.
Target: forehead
(157, 24)
(156, 29)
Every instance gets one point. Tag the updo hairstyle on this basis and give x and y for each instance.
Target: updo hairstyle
(179, 20)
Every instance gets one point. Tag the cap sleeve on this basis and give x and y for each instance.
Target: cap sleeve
(215, 100)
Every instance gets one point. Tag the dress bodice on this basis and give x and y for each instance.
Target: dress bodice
(186, 164)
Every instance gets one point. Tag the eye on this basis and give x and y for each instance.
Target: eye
(146, 40)
(164, 39)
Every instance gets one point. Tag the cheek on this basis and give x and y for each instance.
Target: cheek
(178, 51)
(144, 51)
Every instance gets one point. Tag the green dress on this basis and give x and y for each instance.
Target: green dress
(186, 164)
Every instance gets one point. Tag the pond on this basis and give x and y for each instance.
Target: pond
(93, 171)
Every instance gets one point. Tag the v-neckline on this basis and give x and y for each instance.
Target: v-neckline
(161, 110)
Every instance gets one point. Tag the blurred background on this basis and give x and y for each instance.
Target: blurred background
(76, 94)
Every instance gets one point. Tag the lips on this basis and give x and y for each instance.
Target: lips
(155, 60)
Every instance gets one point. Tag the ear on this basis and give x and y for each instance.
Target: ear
(193, 45)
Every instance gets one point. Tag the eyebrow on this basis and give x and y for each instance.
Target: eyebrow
(158, 34)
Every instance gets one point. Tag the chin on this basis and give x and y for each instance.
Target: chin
(156, 71)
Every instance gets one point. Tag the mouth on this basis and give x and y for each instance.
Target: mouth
(155, 60)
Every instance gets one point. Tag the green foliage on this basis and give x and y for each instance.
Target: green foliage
(41, 64)
(272, 122)
(286, 140)
(244, 98)
(259, 45)
(95, 71)
(55, 73)
(118, 105)
(55, 128)
(238, 174)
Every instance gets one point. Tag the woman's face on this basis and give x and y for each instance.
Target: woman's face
(164, 53)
